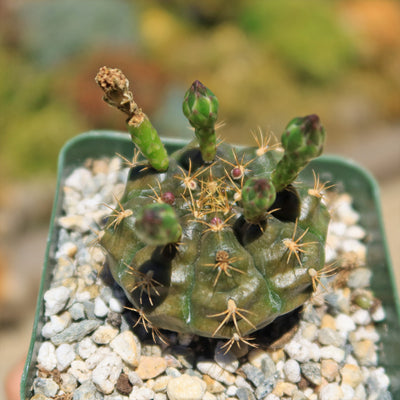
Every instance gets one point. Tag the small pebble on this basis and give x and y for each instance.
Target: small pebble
(333, 352)
(123, 385)
(128, 347)
(292, 371)
(209, 396)
(68, 383)
(86, 348)
(351, 375)
(172, 372)
(68, 249)
(115, 305)
(231, 391)
(302, 350)
(78, 223)
(65, 354)
(149, 367)
(348, 392)
(107, 372)
(253, 374)
(141, 393)
(55, 299)
(87, 391)
(97, 356)
(365, 353)
(240, 382)
(363, 333)
(104, 334)
(47, 356)
(284, 388)
(213, 386)
(160, 396)
(45, 386)
(161, 383)
(216, 372)
(80, 371)
(77, 311)
(312, 372)
(344, 323)
(186, 387)
(265, 388)
(329, 369)
(100, 308)
(272, 396)
(245, 394)
(134, 378)
(328, 336)
(379, 314)
(309, 331)
(378, 380)
(361, 317)
(331, 391)
(328, 321)
(75, 332)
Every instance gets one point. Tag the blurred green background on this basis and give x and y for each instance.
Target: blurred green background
(267, 61)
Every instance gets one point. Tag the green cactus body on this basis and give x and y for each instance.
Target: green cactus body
(235, 246)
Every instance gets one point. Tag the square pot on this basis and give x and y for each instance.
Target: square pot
(347, 177)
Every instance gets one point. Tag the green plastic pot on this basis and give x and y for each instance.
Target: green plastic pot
(346, 175)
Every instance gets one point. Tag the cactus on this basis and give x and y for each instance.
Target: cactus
(215, 240)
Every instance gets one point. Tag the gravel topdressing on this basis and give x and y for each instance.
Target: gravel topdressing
(92, 346)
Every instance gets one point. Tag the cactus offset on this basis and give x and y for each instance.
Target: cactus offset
(216, 240)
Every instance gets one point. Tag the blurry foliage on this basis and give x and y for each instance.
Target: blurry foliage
(265, 60)
(306, 35)
(207, 13)
(53, 31)
(34, 122)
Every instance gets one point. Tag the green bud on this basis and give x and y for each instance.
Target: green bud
(304, 136)
(302, 140)
(200, 106)
(157, 224)
(258, 194)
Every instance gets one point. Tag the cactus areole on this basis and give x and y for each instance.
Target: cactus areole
(214, 240)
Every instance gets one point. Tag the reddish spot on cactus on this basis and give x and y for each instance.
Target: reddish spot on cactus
(216, 221)
(236, 173)
(168, 198)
